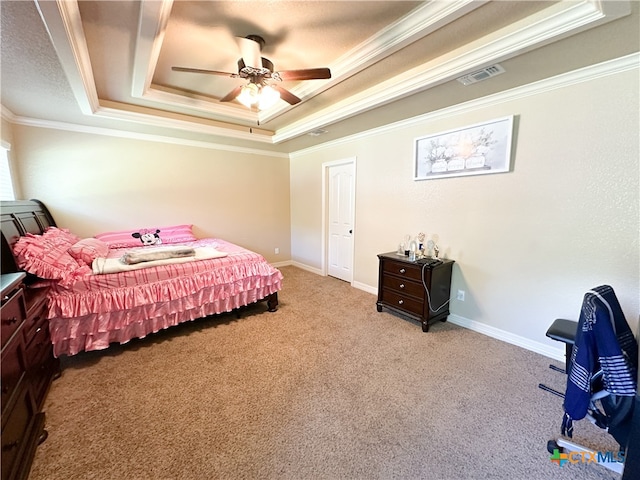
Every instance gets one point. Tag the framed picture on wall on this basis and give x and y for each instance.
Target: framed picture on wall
(472, 150)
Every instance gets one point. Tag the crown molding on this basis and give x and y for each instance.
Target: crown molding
(62, 20)
(64, 26)
(552, 24)
(112, 111)
(63, 23)
(152, 25)
(154, 17)
(111, 132)
(593, 72)
(417, 24)
(586, 74)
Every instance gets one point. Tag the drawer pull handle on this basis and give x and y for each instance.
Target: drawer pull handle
(400, 302)
(10, 446)
(402, 285)
(402, 270)
(10, 321)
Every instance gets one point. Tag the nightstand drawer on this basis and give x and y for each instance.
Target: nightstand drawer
(401, 269)
(404, 286)
(403, 302)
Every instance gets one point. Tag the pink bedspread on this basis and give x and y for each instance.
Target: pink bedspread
(101, 309)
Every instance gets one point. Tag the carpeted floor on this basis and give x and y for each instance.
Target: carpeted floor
(324, 388)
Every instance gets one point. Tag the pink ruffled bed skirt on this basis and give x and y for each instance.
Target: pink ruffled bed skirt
(115, 308)
(96, 331)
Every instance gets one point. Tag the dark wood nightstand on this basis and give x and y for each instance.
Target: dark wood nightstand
(417, 289)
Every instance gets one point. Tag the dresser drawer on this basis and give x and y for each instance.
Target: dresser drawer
(37, 319)
(404, 270)
(41, 370)
(403, 302)
(13, 313)
(15, 432)
(13, 369)
(36, 323)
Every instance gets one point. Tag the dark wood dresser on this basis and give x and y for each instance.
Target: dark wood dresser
(417, 289)
(28, 367)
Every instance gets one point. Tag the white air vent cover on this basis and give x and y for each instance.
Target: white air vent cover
(480, 75)
(317, 132)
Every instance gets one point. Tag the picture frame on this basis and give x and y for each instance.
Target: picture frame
(479, 149)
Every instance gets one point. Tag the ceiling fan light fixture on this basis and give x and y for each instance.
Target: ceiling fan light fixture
(261, 96)
(268, 97)
(249, 95)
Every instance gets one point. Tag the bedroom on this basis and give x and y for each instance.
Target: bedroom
(527, 244)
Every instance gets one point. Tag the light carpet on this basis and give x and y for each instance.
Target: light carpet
(324, 388)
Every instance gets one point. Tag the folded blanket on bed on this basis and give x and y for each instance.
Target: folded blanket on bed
(131, 258)
(101, 266)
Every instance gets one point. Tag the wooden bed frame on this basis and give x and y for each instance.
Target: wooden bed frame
(20, 217)
(17, 219)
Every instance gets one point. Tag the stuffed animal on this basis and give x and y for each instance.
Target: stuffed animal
(148, 238)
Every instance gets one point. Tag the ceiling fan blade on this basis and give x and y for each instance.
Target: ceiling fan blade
(231, 95)
(198, 70)
(286, 95)
(250, 52)
(305, 74)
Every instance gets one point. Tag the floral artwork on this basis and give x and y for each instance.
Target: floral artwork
(473, 150)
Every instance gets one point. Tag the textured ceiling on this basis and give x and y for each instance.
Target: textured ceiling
(108, 63)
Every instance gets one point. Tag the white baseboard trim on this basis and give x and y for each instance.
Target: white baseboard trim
(493, 332)
(365, 287)
(303, 266)
(538, 347)
(285, 263)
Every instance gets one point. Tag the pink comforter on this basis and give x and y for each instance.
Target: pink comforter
(101, 309)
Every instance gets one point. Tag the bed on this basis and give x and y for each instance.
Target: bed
(89, 310)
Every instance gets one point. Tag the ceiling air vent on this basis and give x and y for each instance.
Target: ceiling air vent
(317, 132)
(480, 75)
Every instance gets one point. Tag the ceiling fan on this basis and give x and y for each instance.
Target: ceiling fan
(259, 71)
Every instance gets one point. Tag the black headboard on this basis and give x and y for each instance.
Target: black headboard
(18, 218)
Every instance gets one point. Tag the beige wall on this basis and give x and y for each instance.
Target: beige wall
(527, 244)
(95, 183)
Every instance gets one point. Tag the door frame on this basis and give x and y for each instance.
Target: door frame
(325, 211)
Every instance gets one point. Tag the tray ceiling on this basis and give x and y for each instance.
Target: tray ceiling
(108, 64)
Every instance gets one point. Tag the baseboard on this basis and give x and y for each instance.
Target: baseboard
(366, 288)
(493, 332)
(285, 263)
(303, 266)
(538, 347)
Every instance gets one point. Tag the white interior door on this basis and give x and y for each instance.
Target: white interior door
(341, 199)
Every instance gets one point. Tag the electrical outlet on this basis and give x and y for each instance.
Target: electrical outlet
(277, 251)
(460, 295)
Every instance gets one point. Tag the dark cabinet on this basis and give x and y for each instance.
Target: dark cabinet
(418, 289)
(28, 366)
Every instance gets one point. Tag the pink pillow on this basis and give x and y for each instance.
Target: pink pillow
(148, 236)
(60, 235)
(46, 256)
(88, 249)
